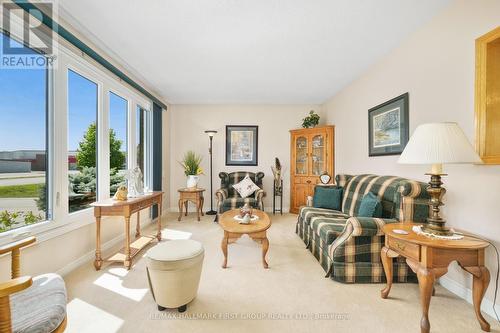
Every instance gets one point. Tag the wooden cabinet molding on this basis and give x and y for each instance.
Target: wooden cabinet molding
(487, 97)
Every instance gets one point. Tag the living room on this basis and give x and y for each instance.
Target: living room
(232, 171)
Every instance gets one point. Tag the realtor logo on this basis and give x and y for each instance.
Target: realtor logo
(26, 41)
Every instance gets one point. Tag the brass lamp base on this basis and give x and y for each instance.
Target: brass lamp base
(435, 223)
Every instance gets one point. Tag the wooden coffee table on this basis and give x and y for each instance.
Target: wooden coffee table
(256, 230)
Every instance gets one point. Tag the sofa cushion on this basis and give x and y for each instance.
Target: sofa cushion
(307, 213)
(329, 197)
(327, 228)
(370, 206)
(232, 203)
(41, 307)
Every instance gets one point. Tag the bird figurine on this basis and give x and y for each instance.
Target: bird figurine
(121, 194)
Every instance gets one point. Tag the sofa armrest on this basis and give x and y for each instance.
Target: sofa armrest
(259, 194)
(368, 226)
(221, 194)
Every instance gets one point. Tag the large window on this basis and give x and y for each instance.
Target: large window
(23, 145)
(68, 134)
(82, 141)
(118, 129)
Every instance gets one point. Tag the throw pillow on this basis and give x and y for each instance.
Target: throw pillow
(329, 197)
(246, 187)
(370, 206)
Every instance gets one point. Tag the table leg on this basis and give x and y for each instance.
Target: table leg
(224, 249)
(388, 270)
(198, 208)
(180, 209)
(202, 202)
(160, 209)
(138, 225)
(98, 259)
(128, 261)
(265, 247)
(425, 283)
(481, 279)
(186, 204)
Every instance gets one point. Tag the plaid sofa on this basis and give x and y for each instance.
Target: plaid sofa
(348, 247)
(228, 198)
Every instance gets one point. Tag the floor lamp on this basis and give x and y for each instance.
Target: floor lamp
(211, 134)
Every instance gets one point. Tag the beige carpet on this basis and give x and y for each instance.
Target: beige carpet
(291, 296)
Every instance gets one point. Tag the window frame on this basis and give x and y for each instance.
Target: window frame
(60, 221)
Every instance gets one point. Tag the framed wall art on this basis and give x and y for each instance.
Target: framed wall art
(242, 145)
(388, 127)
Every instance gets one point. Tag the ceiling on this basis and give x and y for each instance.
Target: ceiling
(247, 51)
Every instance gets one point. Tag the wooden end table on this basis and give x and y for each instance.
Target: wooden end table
(195, 195)
(429, 259)
(256, 230)
(111, 207)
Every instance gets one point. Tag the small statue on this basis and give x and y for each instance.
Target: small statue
(135, 182)
(121, 194)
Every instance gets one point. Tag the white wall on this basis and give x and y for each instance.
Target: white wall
(436, 66)
(188, 123)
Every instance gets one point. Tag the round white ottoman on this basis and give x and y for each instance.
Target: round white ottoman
(174, 269)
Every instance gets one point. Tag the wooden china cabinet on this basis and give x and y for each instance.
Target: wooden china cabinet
(312, 154)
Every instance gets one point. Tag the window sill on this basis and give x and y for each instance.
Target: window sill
(46, 230)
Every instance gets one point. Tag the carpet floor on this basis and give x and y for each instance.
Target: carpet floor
(291, 296)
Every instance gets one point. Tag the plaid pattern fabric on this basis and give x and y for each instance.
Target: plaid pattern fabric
(349, 246)
(228, 198)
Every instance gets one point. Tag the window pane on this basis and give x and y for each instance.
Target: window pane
(23, 145)
(82, 141)
(118, 110)
(144, 145)
(139, 137)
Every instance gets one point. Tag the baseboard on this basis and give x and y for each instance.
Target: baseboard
(465, 293)
(286, 210)
(89, 256)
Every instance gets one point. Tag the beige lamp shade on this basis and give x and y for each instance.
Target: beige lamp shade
(438, 143)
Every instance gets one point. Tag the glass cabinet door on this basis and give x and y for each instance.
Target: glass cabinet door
(318, 155)
(301, 144)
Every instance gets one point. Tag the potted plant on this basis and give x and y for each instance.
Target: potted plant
(191, 164)
(312, 120)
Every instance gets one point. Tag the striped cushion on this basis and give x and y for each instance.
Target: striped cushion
(233, 203)
(42, 307)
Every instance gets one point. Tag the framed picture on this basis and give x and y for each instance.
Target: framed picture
(388, 129)
(242, 145)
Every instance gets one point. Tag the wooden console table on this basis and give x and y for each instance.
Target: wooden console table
(195, 195)
(110, 207)
(429, 259)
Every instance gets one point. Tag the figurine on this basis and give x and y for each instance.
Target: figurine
(121, 193)
(245, 210)
(135, 182)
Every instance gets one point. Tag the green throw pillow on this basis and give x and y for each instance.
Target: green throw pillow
(370, 206)
(329, 197)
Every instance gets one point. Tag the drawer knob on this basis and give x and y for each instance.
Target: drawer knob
(309, 182)
(400, 246)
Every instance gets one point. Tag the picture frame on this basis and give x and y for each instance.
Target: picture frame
(388, 127)
(242, 145)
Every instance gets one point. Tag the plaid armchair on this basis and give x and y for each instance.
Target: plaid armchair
(347, 246)
(228, 198)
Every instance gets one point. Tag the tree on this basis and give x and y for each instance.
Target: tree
(86, 153)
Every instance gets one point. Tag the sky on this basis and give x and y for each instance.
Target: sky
(23, 109)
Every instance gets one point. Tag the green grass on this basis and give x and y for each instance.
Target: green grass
(20, 191)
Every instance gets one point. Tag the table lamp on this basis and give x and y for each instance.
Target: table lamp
(437, 144)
